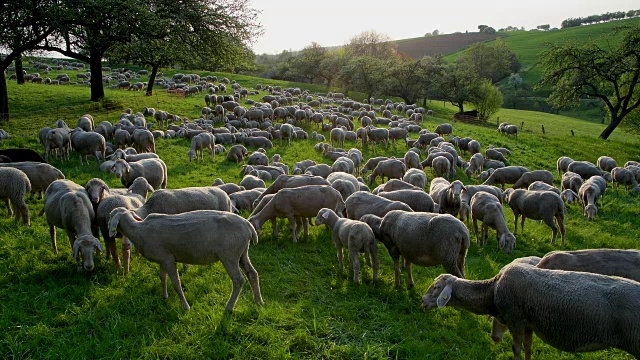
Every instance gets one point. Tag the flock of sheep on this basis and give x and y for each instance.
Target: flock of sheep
(583, 308)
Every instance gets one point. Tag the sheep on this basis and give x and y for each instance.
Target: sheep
(538, 205)
(40, 175)
(132, 199)
(492, 164)
(606, 163)
(371, 164)
(586, 170)
(424, 239)
(122, 138)
(488, 209)
(511, 130)
(120, 154)
(301, 166)
(504, 151)
(465, 198)
(258, 141)
(356, 156)
(444, 129)
(293, 181)
(572, 311)
(154, 170)
(563, 163)
(493, 154)
(361, 203)
(476, 164)
(506, 175)
(14, 184)
(588, 194)
(229, 188)
(345, 183)
(337, 135)
(356, 236)
(58, 139)
(377, 135)
(244, 199)
(631, 163)
(88, 143)
(391, 169)
(412, 160)
(258, 158)
(197, 237)
(531, 176)
(440, 166)
(394, 185)
(199, 143)
(299, 202)
(418, 200)
(625, 177)
(447, 195)
(571, 181)
(252, 182)
(415, 177)
(322, 170)
(67, 206)
(237, 153)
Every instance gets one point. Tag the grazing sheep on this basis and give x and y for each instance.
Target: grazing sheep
(67, 206)
(586, 170)
(606, 163)
(197, 237)
(588, 194)
(377, 135)
(476, 163)
(244, 199)
(506, 175)
(40, 175)
(322, 170)
(154, 170)
(493, 154)
(199, 143)
(530, 177)
(492, 164)
(465, 198)
(424, 239)
(415, 177)
(59, 140)
(252, 182)
(440, 166)
(120, 154)
(258, 158)
(563, 163)
(88, 144)
(571, 311)
(361, 203)
(571, 181)
(474, 147)
(371, 164)
(569, 196)
(298, 202)
(538, 205)
(337, 135)
(391, 169)
(301, 166)
(511, 130)
(412, 160)
(343, 164)
(488, 209)
(447, 195)
(625, 177)
(418, 200)
(237, 153)
(14, 184)
(356, 156)
(444, 129)
(356, 236)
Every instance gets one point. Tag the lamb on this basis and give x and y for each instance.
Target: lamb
(237, 153)
(199, 143)
(415, 177)
(606, 163)
(412, 160)
(361, 203)
(418, 200)
(14, 184)
(197, 237)
(625, 177)
(356, 236)
(371, 164)
(337, 135)
(551, 303)
(563, 163)
(322, 170)
(299, 202)
(391, 169)
(132, 199)
(67, 206)
(120, 154)
(444, 129)
(588, 194)
(488, 209)
(424, 239)
(440, 166)
(301, 166)
(494, 154)
(447, 195)
(476, 163)
(250, 181)
(154, 170)
(538, 205)
(571, 181)
(531, 176)
(506, 175)
(88, 143)
(465, 198)
(586, 170)
(243, 200)
(40, 175)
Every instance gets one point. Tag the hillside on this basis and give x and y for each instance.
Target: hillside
(441, 44)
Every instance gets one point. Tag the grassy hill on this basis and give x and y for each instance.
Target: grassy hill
(441, 44)
(312, 310)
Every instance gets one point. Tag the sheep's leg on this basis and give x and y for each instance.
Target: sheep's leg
(23, 211)
(550, 223)
(485, 233)
(516, 345)
(305, 224)
(375, 261)
(522, 223)
(163, 281)
(171, 269)
(294, 227)
(252, 275)
(475, 230)
(396, 268)
(528, 340)
(339, 254)
(126, 253)
(515, 223)
(233, 269)
(274, 225)
(560, 220)
(52, 232)
(410, 282)
(9, 211)
(355, 264)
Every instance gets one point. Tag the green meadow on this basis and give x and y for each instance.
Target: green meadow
(48, 309)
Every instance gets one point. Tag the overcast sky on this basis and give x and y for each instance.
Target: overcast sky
(294, 24)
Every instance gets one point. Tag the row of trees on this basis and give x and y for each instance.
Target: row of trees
(594, 19)
(156, 33)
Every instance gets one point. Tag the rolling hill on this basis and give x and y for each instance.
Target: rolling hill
(441, 44)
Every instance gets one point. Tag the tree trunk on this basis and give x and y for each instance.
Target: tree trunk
(424, 103)
(615, 121)
(95, 65)
(4, 98)
(19, 72)
(152, 79)
(461, 107)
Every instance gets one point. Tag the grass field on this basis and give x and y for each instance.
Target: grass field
(50, 310)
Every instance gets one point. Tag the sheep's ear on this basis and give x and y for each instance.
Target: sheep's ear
(150, 188)
(444, 297)
(325, 214)
(105, 188)
(97, 245)
(136, 216)
(76, 250)
(501, 242)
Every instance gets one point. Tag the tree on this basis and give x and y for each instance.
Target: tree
(544, 27)
(331, 65)
(459, 84)
(487, 99)
(308, 64)
(23, 25)
(372, 44)
(494, 62)
(587, 69)
(412, 79)
(365, 74)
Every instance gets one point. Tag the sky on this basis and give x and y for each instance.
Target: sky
(294, 24)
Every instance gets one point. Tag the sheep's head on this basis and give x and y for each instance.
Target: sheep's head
(120, 167)
(83, 249)
(95, 189)
(140, 186)
(507, 242)
(439, 293)
(454, 191)
(590, 211)
(373, 221)
(322, 216)
(570, 196)
(191, 154)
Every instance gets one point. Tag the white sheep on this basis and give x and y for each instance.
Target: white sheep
(199, 143)
(40, 175)
(88, 144)
(506, 175)
(538, 205)
(447, 195)
(14, 184)
(440, 166)
(197, 237)
(571, 311)
(487, 208)
(356, 236)
(418, 200)
(391, 169)
(362, 203)
(154, 170)
(624, 176)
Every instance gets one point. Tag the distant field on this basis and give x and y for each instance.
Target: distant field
(441, 44)
(312, 310)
